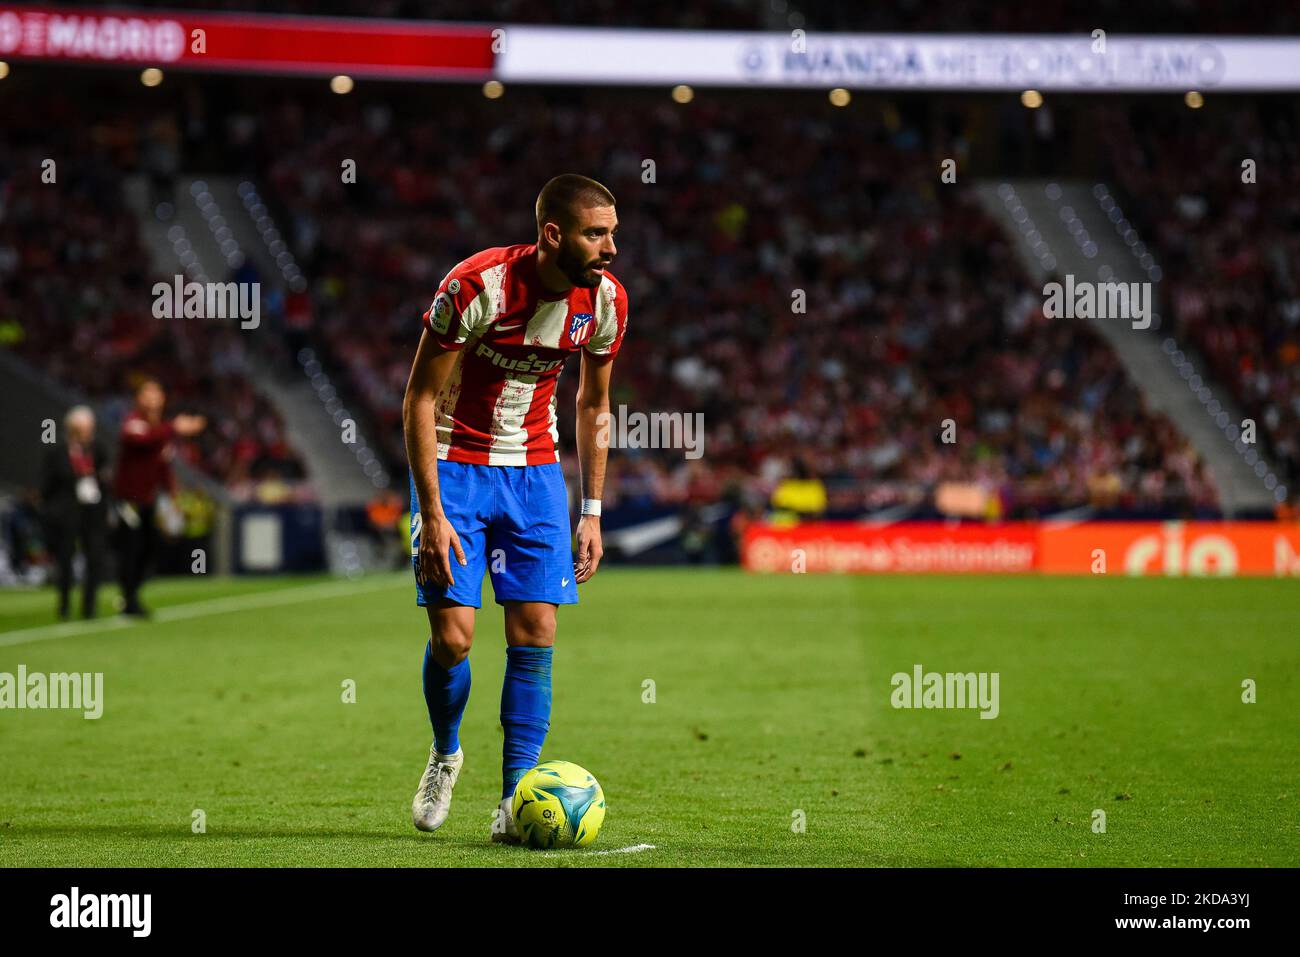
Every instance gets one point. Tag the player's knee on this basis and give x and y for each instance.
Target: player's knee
(451, 643)
(451, 630)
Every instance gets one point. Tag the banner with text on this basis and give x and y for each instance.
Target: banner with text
(428, 50)
(252, 43)
(900, 61)
(1121, 548)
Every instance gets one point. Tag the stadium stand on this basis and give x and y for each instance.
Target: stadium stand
(1230, 249)
(916, 311)
(75, 288)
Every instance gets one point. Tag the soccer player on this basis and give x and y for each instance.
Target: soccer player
(487, 491)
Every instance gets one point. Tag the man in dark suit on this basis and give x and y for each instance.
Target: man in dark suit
(74, 490)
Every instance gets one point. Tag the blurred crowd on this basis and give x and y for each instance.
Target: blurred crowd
(798, 276)
(1216, 193)
(76, 287)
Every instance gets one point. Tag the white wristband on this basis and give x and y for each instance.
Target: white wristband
(591, 506)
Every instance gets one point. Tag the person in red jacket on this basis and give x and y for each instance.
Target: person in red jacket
(144, 469)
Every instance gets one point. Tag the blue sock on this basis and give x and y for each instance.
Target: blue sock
(446, 690)
(525, 712)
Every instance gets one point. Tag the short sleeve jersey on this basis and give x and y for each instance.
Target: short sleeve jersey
(498, 405)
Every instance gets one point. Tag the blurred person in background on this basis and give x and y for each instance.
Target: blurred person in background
(23, 549)
(389, 517)
(143, 470)
(800, 496)
(74, 493)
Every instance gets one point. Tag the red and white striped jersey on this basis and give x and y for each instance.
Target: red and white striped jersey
(498, 405)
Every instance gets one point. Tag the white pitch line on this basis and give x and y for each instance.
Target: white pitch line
(198, 609)
(270, 599)
(633, 849)
(68, 629)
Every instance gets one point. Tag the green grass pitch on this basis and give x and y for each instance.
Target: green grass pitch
(771, 706)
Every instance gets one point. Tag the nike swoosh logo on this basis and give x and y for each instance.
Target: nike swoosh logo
(564, 583)
(503, 328)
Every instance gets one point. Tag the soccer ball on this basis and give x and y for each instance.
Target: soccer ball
(558, 804)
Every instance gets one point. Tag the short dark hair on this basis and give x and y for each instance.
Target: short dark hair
(564, 194)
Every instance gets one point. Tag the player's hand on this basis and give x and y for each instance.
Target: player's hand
(437, 542)
(590, 548)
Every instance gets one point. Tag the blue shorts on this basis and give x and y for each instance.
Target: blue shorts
(513, 521)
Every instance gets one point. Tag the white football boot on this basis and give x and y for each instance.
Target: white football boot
(432, 801)
(504, 830)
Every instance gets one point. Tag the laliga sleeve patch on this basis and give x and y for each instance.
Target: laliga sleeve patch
(440, 313)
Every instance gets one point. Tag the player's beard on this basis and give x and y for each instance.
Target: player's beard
(576, 267)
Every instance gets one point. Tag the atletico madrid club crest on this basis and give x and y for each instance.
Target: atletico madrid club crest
(581, 326)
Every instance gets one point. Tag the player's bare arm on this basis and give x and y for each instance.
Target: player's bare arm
(429, 371)
(593, 402)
